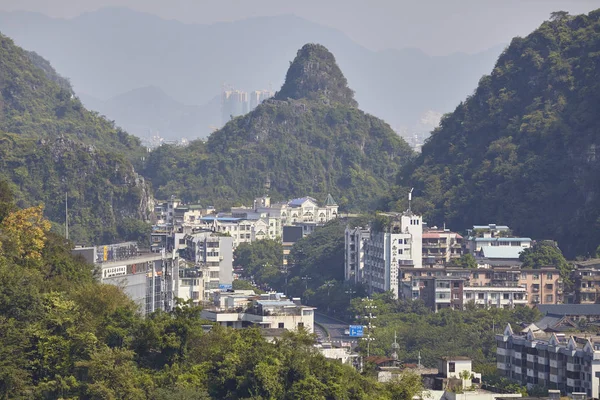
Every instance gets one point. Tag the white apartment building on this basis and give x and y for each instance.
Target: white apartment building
(397, 244)
(567, 362)
(492, 235)
(213, 254)
(354, 253)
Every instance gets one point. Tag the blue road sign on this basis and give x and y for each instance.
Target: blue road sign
(225, 286)
(356, 331)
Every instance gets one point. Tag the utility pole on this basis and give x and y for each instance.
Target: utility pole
(66, 215)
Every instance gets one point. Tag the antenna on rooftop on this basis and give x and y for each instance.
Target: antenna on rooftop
(410, 197)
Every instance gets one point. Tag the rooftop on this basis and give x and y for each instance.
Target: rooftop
(502, 239)
(569, 309)
(505, 252)
(299, 201)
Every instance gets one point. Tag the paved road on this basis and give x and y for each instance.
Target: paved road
(336, 330)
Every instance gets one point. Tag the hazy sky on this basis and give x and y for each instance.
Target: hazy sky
(435, 26)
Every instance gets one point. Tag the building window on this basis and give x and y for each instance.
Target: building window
(506, 296)
(468, 295)
(536, 277)
(475, 275)
(523, 275)
(548, 276)
(549, 298)
(480, 296)
(281, 325)
(300, 325)
(451, 367)
(456, 284)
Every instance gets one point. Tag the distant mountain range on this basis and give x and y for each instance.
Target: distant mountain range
(111, 53)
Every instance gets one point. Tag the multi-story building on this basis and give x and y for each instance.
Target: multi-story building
(397, 244)
(354, 253)
(258, 96)
(493, 235)
(569, 363)
(586, 282)
(441, 246)
(147, 278)
(213, 254)
(537, 286)
(233, 103)
(451, 292)
(271, 310)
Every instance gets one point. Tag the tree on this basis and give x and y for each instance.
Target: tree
(466, 261)
(543, 254)
(23, 235)
(261, 260)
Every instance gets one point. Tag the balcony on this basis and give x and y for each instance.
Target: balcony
(531, 358)
(503, 352)
(573, 367)
(553, 364)
(541, 360)
(574, 383)
(517, 355)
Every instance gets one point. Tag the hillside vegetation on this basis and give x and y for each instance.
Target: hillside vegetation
(522, 150)
(52, 146)
(311, 139)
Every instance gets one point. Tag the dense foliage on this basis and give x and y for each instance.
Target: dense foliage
(432, 335)
(299, 146)
(260, 261)
(63, 335)
(522, 150)
(51, 146)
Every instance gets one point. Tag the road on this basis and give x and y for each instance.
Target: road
(336, 329)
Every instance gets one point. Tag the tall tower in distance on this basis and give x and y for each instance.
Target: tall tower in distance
(258, 96)
(233, 103)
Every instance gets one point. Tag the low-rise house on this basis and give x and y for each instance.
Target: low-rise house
(271, 310)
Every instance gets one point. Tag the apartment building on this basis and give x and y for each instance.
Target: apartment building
(354, 253)
(492, 235)
(569, 363)
(272, 310)
(586, 282)
(451, 292)
(395, 244)
(213, 254)
(149, 279)
(489, 285)
(441, 246)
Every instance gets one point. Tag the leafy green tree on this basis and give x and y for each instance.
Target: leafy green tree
(261, 259)
(546, 253)
(466, 261)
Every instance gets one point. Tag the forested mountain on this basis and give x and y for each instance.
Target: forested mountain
(522, 150)
(190, 62)
(51, 145)
(311, 139)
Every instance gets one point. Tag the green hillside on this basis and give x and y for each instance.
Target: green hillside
(522, 149)
(51, 145)
(311, 139)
